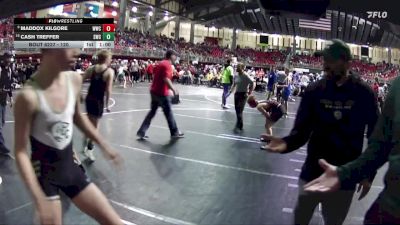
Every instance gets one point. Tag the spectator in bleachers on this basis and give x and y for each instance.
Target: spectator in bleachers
(149, 70)
(281, 80)
(134, 69)
(6, 75)
(271, 83)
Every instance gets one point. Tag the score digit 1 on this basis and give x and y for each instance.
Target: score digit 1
(108, 27)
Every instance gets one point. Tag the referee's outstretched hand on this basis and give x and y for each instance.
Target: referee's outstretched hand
(275, 145)
(328, 181)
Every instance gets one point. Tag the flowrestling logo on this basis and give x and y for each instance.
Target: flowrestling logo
(377, 14)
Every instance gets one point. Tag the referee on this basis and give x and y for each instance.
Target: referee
(332, 117)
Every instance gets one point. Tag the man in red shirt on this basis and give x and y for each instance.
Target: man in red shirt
(160, 96)
(149, 71)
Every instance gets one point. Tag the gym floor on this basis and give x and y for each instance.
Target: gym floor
(212, 176)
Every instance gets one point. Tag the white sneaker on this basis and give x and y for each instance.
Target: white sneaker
(1, 180)
(225, 106)
(89, 154)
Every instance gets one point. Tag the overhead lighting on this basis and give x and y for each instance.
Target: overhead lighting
(151, 13)
(237, 31)
(114, 3)
(387, 49)
(134, 9)
(166, 18)
(114, 13)
(212, 28)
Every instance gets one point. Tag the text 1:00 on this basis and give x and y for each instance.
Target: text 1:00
(105, 44)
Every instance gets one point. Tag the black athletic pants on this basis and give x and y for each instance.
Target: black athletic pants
(165, 103)
(334, 206)
(240, 102)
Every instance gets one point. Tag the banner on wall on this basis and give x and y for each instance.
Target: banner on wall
(56, 10)
(70, 9)
(27, 15)
(108, 13)
(211, 40)
(91, 10)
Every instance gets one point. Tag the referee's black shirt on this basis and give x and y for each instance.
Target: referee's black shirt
(333, 119)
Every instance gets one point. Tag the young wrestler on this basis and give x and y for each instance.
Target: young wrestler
(272, 110)
(45, 112)
(101, 79)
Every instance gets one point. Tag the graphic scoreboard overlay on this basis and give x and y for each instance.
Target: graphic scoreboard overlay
(64, 33)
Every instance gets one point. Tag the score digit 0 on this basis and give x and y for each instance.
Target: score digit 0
(108, 27)
(108, 36)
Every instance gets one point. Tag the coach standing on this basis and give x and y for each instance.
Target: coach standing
(160, 96)
(332, 116)
(6, 76)
(226, 81)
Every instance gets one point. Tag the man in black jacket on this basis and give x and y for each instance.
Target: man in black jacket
(382, 147)
(332, 117)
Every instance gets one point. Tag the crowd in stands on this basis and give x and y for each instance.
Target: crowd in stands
(366, 70)
(131, 71)
(133, 39)
(6, 28)
(137, 40)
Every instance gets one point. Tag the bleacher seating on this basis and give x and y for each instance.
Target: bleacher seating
(134, 40)
(367, 70)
